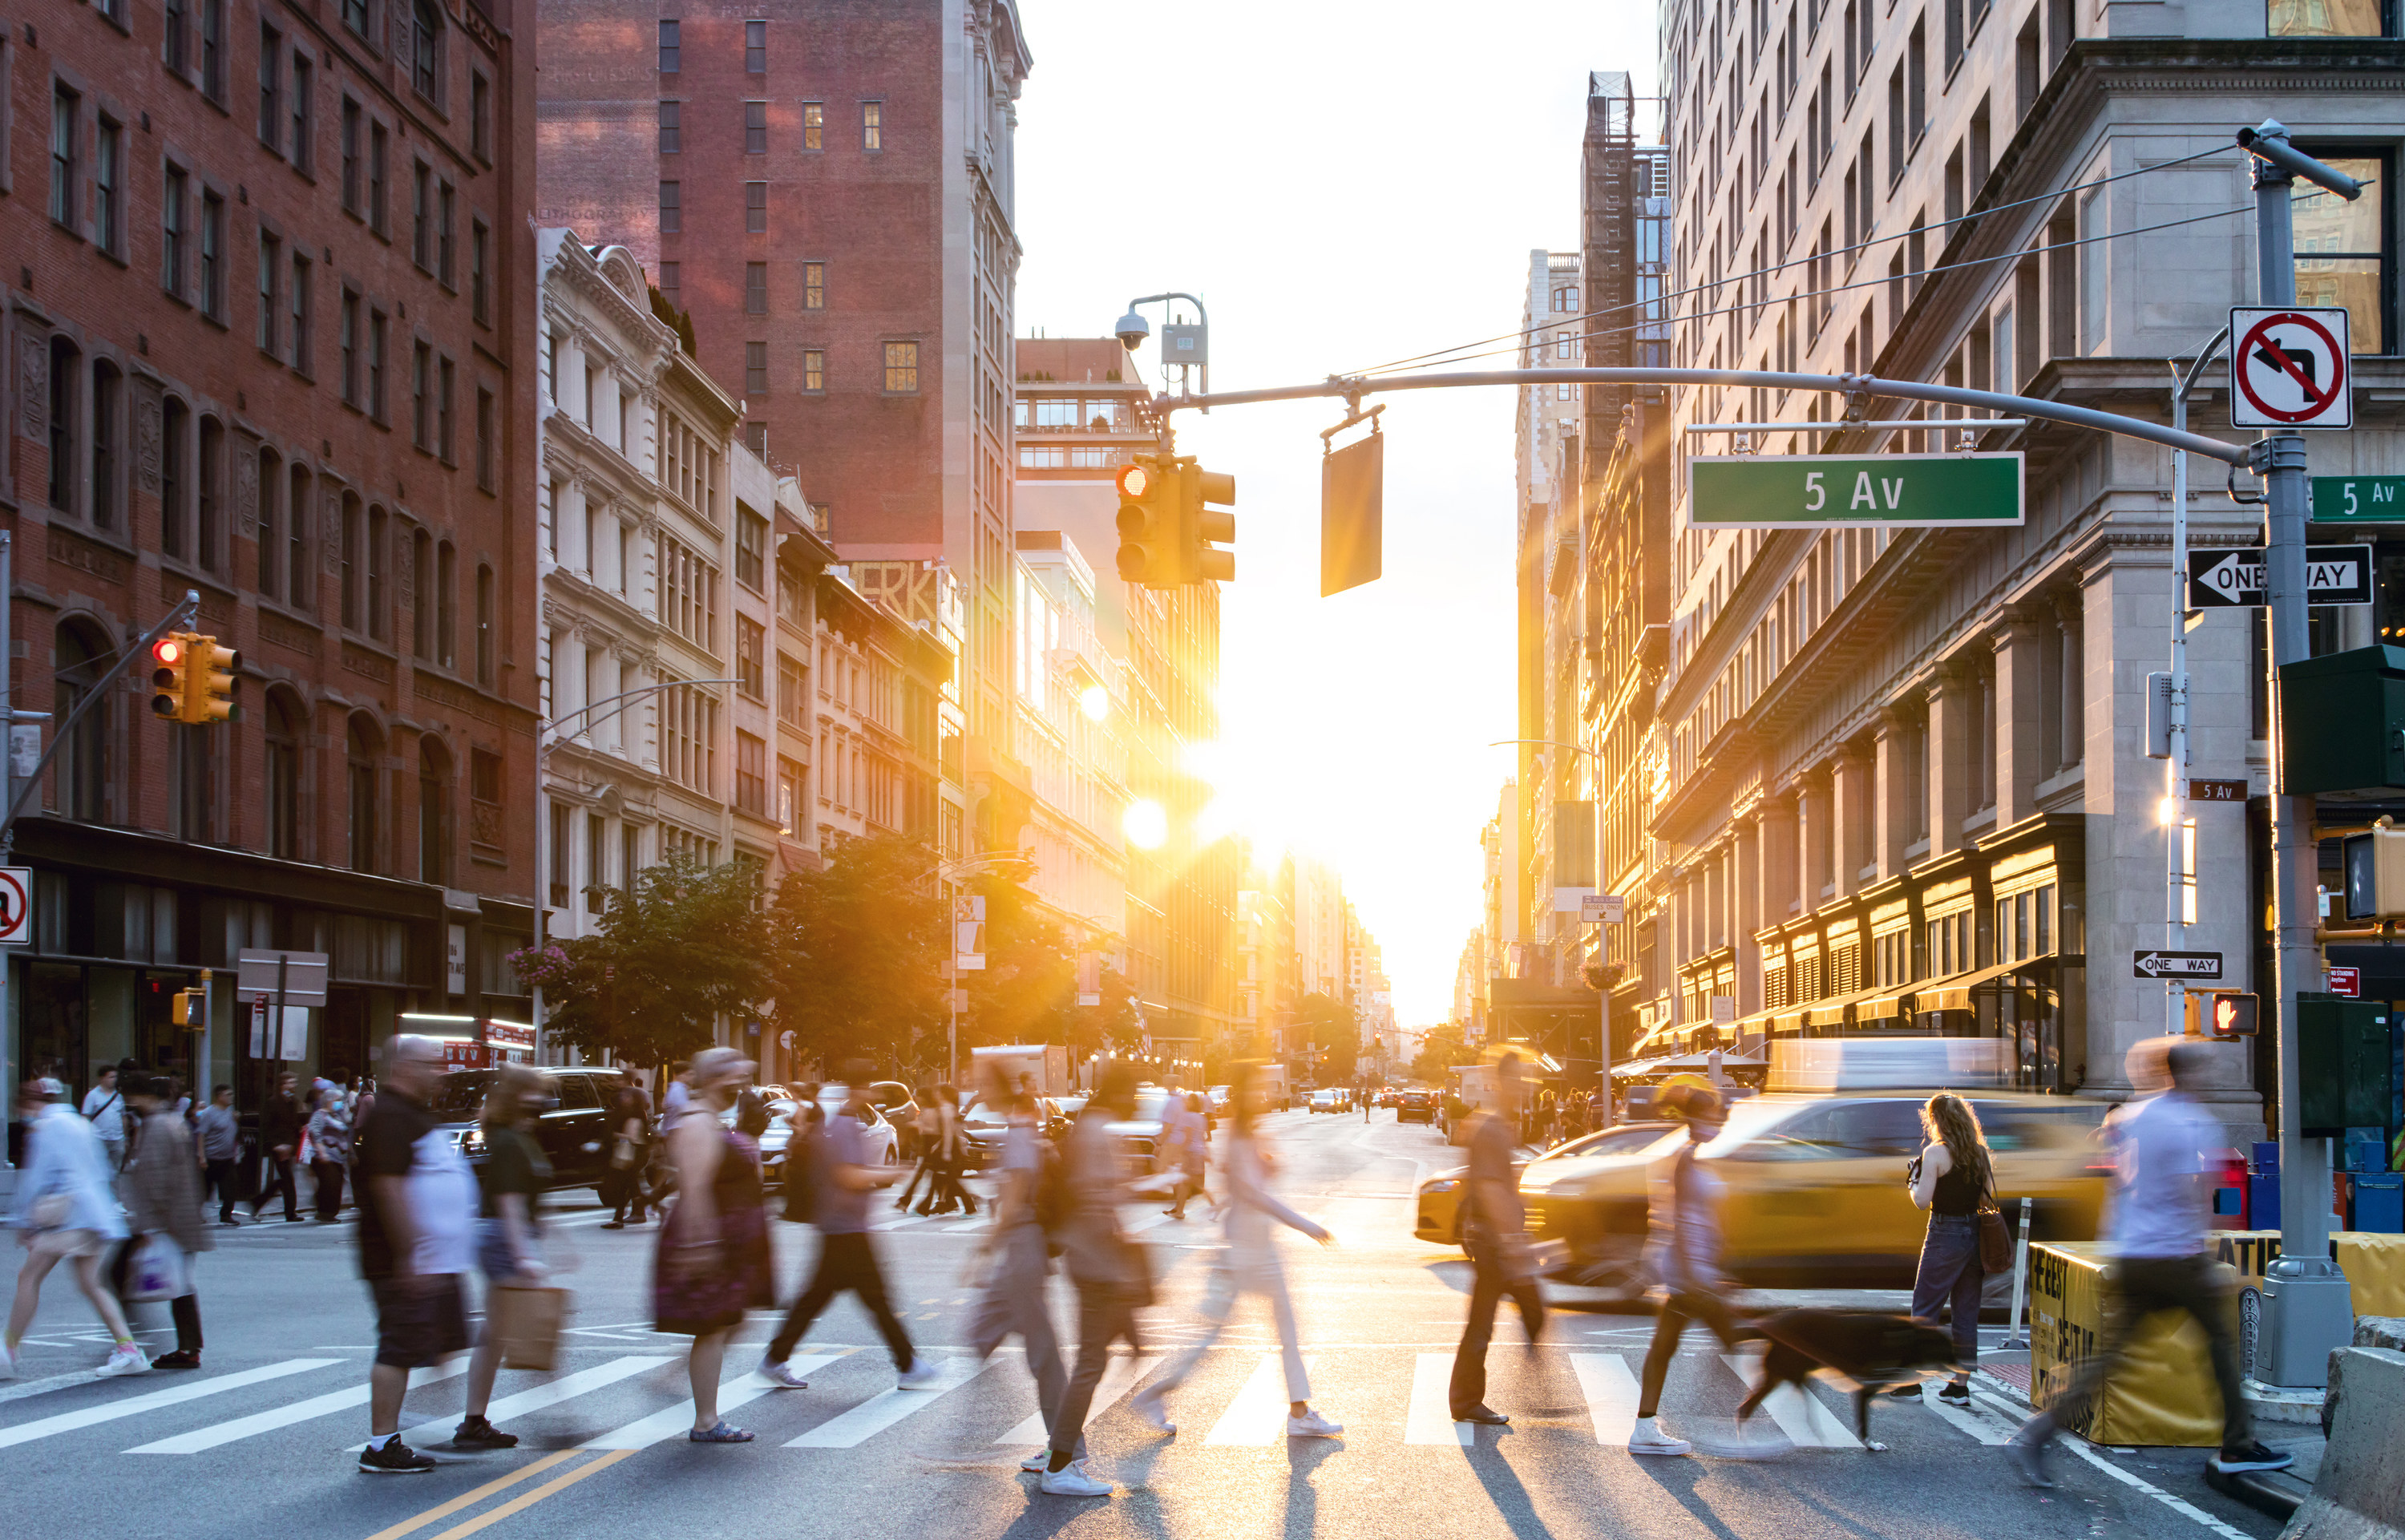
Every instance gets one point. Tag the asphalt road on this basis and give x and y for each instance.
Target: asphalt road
(255, 1442)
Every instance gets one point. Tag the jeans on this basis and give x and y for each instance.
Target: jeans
(1669, 1326)
(1105, 1314)
(277, 1178)
(1489, 1283)
(1014, 1301)
(1950, 1271)
(2135, 1288)
(220, 1182)
(845, 1262)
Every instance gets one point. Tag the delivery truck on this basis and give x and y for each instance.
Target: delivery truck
(1041, 1068)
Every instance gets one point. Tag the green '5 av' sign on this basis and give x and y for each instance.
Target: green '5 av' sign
(1820, 491)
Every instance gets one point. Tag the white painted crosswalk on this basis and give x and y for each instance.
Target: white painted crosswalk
(1805, 1420)
(193, 1389)
(670, 1421)
(1257, 1415)
(1610, 1393)
(1120, 1377)
(201, 1440)
(849, 1430)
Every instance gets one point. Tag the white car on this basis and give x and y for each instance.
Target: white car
(884, 1141)
(1327, 1100)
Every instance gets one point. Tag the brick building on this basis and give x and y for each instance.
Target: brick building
(266, 283)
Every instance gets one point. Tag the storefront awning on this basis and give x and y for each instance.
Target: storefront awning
(1956, 994)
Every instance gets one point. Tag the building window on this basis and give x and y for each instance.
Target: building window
(270, 497)
(755, 438)
(362, 777)
(66, 138)
(793, 693)
(379, 607)
(755, 208)
(755, 369)
(107, 395)
(443, 442)
(751, 550)
(671, 128)
(304, 100)
(2344, 252)
(751, 774)
(176, 438)
(352, 561)
(667, 48)
(756, 128)
(901, 368)
(480, 116)
(350, 134)
(751, 658)
(671, 208)
(425, 51)
(421, 217)
(872, 125)
(174, 43)
(789, 797)
(421, 388)
(283, 779)
(485, 794)
(377, 219)
(172, 201)
(109, 188)
(446, 239)
(480, 276)
(355, 16)
(421, 588)
(596, 861)
(270, 258)
(814, 369)
(2327, 19)
(814, 285)
(297, 354)
(213, 82)
(433, 812)
(755, 289)
(487, 445)
(814, 125)
(378, 334)
(212, 282)
(671, 282)
(486, 642)
(756, 48)
(271, 87)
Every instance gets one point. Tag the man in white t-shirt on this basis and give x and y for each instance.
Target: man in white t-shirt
(104, 1108)
(2155, 1228)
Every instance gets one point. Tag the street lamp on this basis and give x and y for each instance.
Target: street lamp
(1602, 931)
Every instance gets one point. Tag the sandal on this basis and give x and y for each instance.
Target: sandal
(721, 1435)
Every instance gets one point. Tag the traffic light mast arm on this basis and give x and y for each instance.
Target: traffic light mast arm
(1355, 386)
(182, 615)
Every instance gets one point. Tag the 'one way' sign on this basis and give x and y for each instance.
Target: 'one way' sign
(2334, 574)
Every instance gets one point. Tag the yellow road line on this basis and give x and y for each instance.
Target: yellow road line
(469, 1498)
(515, 1504)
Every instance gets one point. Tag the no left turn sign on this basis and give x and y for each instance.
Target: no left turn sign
(2288, 369)
(16, 905)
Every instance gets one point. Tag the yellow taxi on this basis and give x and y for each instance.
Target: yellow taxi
(1439, 1207)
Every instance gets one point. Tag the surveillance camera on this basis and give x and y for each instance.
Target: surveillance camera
(1133, 329)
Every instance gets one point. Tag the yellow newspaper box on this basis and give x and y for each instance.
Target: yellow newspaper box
(2161, 1392)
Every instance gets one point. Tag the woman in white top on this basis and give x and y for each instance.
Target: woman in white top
(1249, 1265)
(66, 1206)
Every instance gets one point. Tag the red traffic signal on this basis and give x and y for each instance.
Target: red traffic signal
(168, 682)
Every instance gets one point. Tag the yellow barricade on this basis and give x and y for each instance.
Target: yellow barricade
(2375, 1264)
(2161, 1393)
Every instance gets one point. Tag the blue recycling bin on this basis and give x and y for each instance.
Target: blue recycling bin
(2366, 1149)
(2263, 1185)
(2379, 1201)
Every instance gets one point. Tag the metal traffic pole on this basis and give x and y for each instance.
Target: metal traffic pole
(2308, 1308)
(2179, 878)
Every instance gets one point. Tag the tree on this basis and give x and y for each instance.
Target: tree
(1440, 1050)
(1334, 1037)
(671, 956)
(855, 952)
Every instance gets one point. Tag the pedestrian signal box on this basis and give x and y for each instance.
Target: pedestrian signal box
(2223, 1013)
(2374, 863)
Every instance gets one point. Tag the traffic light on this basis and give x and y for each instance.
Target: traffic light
(172, 654)
(2373, 862)
(211, 676)
(1149, 501)
(2223, 1013)
(1204, 529)
(184, 998)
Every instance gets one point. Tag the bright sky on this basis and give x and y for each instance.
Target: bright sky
(1344, 185)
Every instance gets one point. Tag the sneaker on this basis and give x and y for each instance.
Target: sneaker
(781, 1374)
(922, 1374)
(1039, 1463)
(8, 1364)
(1070, 1481)
(1648, 1438)
(2251, 1456)
(2028, 1456)
(394, 1458)
(1155, 1415)
(1955, 1393)
(1312, 1425)
(126, 1359)
(182, 1358)
(1753, 1441)
(476, 1434)
(613, 1224)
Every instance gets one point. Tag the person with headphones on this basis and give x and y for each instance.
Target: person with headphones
(1683, 1251)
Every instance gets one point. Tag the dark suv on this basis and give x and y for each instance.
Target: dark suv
(1415, 1107)
(574, 1132)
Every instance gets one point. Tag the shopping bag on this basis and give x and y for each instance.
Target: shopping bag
(526, 1322)
(157, 1270)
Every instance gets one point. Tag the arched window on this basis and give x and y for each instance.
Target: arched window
(270, 523)
(433, 812)
(299, 583)
(379, 611)
(66, 379)
(486, 642)
(446, 606)
(175, 482)
(426, 50)
(107, 399)
(210, 533)
(284, 720)
(365, 779)
(80, 788)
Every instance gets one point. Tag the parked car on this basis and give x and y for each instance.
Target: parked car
(1414, 1106)
(900, 1105)
(573, 1132)
(884, 1141)
(982, 1128)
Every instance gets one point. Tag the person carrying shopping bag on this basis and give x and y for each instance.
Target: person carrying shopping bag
(162, 1204)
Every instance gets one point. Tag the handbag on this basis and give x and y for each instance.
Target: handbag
(157, 1270)
(1995, 1240)
(526, 1323)
(50, 1211)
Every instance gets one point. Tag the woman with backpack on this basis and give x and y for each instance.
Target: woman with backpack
(1953, 1179)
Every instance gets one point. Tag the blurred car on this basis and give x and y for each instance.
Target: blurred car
(1438, 1212)
(573, 1131)
(982, 1128)
(1327, 1099)
(885, 1142)
(1816, 1189)
(1414, 1106)
(1217, 1097)
(900, 1105)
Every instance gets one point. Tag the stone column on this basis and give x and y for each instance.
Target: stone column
(1850, 802)
(1815, 827)
(1951, 700)
(1747, 885)
(1779, 883)
(2020, 714)
(1896, 754)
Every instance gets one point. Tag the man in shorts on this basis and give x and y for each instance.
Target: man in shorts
(417, 1214)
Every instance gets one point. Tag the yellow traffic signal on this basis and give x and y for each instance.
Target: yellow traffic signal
(1149, 502)
(213, 683)
(184, 1006)
(1204, 528)
(172, 654)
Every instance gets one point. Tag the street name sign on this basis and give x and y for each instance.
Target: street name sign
(2288, 368)
(2358, 499)
(2216, 791)
(2155, 963)
(1608, 909)
(1826, 492)
(2334, 574)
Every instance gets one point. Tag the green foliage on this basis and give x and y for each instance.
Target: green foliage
(1442, 1048)
(1334, 1037)
(670, 959)
(855, 952)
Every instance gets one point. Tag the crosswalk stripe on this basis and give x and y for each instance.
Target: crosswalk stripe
(1257, 1415)
(1611, 1393)
(1120, 1377)
(550, 1393)
(849, 1430)
(201, 1439)
(1430, 1420)
(1800, 1415)
(25, 1432)
(1985, 1429)
(1142, 1222)
(668, 1422)
(904, 1223)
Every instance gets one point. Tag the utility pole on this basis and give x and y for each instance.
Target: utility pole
(2308, 1306)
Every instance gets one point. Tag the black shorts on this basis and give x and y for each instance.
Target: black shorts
(420, 1324)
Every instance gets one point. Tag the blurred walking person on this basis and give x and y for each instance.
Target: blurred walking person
(1952, 1178)
(1248, 1266)
(1017, 1253)
(712, 1263)
(417, 1202)
(1111, 1271)
(1683, 1254)
(1186, 1137)
(1495, 1231)
(162, 1198)
(846, 1260)
(925, 1124)
(221, 1137)
(509, 1225)
(630, 1138)
(329, 1150)
(951, 1154)
(2155, 1231)
(279, 1142)
(66, 1210)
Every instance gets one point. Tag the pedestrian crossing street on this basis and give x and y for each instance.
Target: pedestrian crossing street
(981, 1411)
